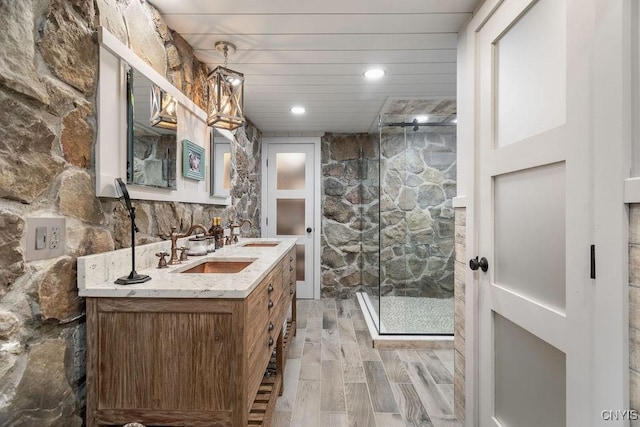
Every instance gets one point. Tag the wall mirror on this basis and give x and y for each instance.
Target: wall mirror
(221, 161)
(151, 164)
(151, 133)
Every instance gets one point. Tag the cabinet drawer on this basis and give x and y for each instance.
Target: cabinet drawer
(291, 264)
(257, 362)
(291, 269)
(257, 337)
(257, 315)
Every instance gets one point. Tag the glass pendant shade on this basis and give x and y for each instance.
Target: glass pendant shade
(163, 109)
(225, 89)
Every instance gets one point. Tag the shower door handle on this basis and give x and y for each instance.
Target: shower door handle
(481, 264)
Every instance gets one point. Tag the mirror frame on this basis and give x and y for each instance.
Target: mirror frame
(111, 156)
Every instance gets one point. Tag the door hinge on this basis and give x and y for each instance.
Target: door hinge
(267, 164)
(593, 261)
(266, 221)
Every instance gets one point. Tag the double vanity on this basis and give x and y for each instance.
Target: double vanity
(202, 343)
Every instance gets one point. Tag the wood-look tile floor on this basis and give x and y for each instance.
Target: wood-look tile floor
(333, 377)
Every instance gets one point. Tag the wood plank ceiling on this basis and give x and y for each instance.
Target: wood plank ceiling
(314, 54)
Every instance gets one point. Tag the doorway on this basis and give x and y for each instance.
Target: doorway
(291, 203)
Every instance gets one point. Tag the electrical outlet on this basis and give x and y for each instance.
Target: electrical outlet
(54, 240)
(45, 238)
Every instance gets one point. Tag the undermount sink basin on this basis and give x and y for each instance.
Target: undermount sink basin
(260, 244)
(220, 267)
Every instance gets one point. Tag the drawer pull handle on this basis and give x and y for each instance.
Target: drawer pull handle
(290, 258)
(290, 268)
(291, 292)
(291, 283)
(270, 326)
(270, 341)
(270, 303)
(270, 288)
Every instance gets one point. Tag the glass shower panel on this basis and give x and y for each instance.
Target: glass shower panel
(416, 258)
(370, 227)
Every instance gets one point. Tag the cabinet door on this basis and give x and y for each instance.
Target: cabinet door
(171, 355)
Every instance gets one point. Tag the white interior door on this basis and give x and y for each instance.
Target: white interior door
(290, 202)
(533, 220)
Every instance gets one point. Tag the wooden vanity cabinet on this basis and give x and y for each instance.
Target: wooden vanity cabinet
(188, 362)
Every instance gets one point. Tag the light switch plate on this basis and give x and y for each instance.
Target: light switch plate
(41, 238)
(45, 238)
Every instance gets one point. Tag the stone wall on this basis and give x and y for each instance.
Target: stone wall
(459, 314)
(344, 200)
(634, 309)
(48, 81)
(246, 179)
(408, 184)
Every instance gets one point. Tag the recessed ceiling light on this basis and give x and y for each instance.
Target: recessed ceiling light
(374, 73)
(298, 110)
(422, 119)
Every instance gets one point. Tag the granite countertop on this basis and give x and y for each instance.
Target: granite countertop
(96, 273)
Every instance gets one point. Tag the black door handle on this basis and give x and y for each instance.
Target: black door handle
(309, 229)
(481, 264)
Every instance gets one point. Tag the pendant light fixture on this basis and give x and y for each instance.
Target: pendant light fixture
(225, 89)
(163, 109)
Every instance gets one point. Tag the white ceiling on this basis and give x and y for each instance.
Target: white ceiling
(313, 53)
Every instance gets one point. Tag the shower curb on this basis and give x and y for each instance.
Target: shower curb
(408, 342)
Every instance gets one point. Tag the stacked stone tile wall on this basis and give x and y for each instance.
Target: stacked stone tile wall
(48, 81)
(417, 182)
(344, 199)
(634, 309)
(459, 314)
(415, 177)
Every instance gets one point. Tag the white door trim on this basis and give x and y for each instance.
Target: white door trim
(317, 173)
(612, 135)
(468, 188)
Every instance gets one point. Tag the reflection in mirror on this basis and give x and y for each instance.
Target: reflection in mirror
(164, 109)
(221, 162)
(151, 133)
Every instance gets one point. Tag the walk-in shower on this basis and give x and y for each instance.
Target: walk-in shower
(408, 230)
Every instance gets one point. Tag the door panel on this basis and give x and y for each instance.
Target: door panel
(290, 217)
(530, 210)
(531, 73)
(290, 171)
(301, 270)
(527, 369)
